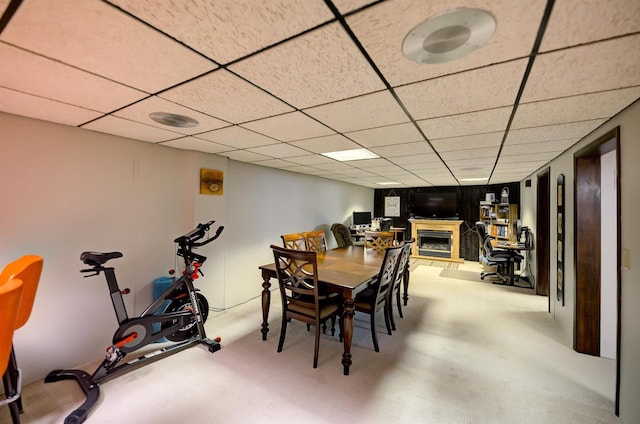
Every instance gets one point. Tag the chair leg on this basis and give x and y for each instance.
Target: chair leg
(333, 325)
(389, 306)
(398, 303)
(283, 332)
(405, 282)
(316, 348)
(387, 317)
(10, 389)
(374, 335)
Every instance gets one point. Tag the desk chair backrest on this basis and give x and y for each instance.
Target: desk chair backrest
(28, 269)
(342, 235)
(316, 241)
(10, 298)
(294, 241)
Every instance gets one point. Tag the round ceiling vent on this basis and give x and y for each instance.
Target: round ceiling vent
(449, 36)
(173, 120)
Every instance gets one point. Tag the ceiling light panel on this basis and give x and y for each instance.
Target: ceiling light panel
(18, 103)
(325, 144)
(92, 26)
(604, 19)
(125, 128)
(382, 28)
(321, 66)
(140, 112)
(373, 110)
(227, 97)
(237, 137)
(34, 74)
(484, 121)
(574, 71)
(289, 127)
(485, 88)
(225, 30)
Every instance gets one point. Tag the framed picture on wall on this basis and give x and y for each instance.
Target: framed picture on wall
(392, 206)
(560, 235)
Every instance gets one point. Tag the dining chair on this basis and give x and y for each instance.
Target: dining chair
(374, 297)
(378, 240)
(297, 273)
(11, 293)
(316, 240)
(294, 241)
(401, 280)
(28, 269)
(341, 234)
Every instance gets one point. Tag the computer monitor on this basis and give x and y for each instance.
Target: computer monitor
(361, 218)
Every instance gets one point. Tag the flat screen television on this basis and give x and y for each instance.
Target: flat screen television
(361, 218)
(435, 205)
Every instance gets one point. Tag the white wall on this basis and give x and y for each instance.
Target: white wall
(629, 123)
(67, 190)
(608, 258)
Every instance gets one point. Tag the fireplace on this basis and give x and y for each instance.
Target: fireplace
(434, 243)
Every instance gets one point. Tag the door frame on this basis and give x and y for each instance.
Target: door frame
(543, 228)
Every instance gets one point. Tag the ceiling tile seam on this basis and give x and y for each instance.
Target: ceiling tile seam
(377, 70)
(142, 21)
(534, 50)
(592, 42)
(9, 12)
(50, 99)
(562, 123)
(609, 90)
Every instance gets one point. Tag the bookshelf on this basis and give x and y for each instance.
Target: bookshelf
(500, 220)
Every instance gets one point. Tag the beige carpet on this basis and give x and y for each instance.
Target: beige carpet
(460, 274)
(414, 263)
(465, 353)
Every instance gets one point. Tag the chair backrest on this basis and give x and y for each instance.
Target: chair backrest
(316, 240)
(10, 299)
(297, 273)
(28, 269)
(403, 263)
(388, 272)
(481, 230)
(378, 240)
(294, 241)
(342, 235)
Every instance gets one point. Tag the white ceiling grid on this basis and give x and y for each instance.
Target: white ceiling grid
(278, 83)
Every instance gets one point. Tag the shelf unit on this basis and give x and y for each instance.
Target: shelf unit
(500, 220)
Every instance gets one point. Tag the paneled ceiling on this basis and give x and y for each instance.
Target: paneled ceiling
(279, 82)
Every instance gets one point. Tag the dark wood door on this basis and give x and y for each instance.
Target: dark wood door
(542, 245)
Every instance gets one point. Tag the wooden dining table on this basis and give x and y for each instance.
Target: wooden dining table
(347, 271)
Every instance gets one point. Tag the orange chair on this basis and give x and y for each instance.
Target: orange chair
(27, 269)
(10, 299)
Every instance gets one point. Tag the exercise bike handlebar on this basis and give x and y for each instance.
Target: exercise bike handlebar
(190, 241)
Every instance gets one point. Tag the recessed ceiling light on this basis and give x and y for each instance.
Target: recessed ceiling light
(388, 183)
(173, 120)
(355, 154)
(449, 36)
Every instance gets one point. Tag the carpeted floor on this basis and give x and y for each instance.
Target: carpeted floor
(414, 263)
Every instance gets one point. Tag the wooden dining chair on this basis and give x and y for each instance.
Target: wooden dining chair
(28, 269)
(297, 273)
(402, 277)
(11, 293)
(378, 240)
(294, 241)
(374, 297)
(316, 241)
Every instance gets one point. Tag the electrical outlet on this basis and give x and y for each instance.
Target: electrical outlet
(626, 258)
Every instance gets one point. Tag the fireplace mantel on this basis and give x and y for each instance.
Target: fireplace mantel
(445, 225)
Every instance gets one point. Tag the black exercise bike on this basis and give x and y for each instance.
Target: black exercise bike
(177, 315)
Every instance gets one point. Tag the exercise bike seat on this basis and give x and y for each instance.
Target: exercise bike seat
(97, 258)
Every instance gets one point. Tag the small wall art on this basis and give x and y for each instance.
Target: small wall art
(211, 182)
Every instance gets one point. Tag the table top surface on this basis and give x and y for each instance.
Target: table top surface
(345, 267)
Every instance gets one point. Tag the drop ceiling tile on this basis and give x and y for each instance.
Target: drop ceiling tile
(480, 89)
(389, 167)
(516, 166)
(382, 29)
(310, 159)
(417, 148)
(289, 127)
(574, 71)
(372, 164)
(275, 163)
(330, 143)
(385, 136)
(225, 30)
(237, 137)
(279, 151)
(334, 166)
(539, 147)
(575, 22)
(84, 34)
(140, 112)
(531, 157)
(485, 152)
(227, 97)
(443, 181)
(488, 141)
(47, 110)
(369, 111)
(196, 144)
(125, 128)
(319, 67)
(346, 6)
(244, 156)
(3, 6)
(552, 132)
(576, 108)
(43, 77)
(415, 159)
(484, 121)
(461, 164)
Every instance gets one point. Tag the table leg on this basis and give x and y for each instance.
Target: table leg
(347, 328)
(266, 301)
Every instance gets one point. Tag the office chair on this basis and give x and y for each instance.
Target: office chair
(10, 298)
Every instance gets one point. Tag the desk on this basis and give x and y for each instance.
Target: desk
(345, 270)
(515, 247)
